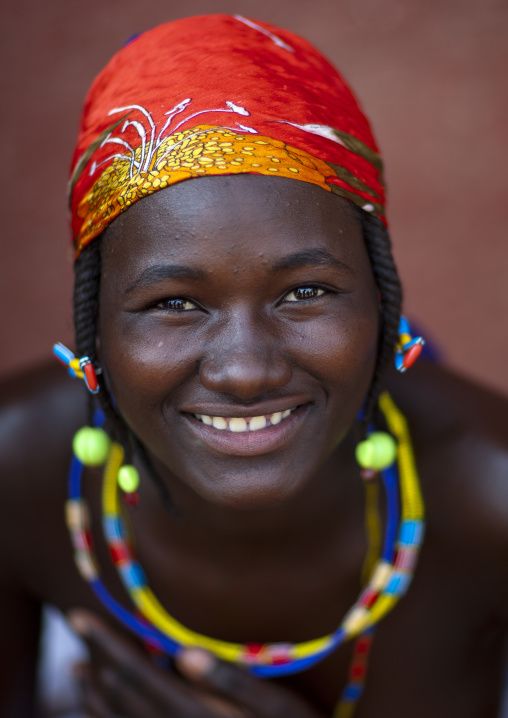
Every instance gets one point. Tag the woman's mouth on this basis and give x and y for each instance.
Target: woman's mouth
(247, 435)
(242, 424)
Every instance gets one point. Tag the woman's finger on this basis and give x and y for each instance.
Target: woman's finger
(260, 698)
(123, 670)
(128, 699)
(104, 640)
(92, 700)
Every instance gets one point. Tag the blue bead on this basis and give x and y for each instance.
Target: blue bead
(404, 327)
(352, 691)
(64, 354)
(411, 533)
(112, 528)
(398, 583)
(399, 359)
(133, 575)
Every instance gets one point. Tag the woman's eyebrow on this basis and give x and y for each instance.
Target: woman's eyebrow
(160, 272)
(309, 257)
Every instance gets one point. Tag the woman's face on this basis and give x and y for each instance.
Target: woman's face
(238, 331)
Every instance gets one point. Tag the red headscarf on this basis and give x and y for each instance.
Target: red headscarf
(217, 94)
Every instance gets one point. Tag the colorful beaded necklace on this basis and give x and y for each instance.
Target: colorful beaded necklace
(387, 583)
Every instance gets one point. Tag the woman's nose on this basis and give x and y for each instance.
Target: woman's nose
(245, 361)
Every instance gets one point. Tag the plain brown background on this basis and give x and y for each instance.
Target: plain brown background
(431, 74)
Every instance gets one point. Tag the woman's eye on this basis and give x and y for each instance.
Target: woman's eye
(301, 293)
(176, 305)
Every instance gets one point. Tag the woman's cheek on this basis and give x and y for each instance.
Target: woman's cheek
(339, 349)
(146, 363)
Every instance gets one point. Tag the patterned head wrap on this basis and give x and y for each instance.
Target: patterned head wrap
(217, 95)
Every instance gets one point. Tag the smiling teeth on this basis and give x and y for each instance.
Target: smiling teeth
(241, 425)
(237, 425)
(257, 422)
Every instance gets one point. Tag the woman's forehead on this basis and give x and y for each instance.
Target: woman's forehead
(213, 222)
(235, 204)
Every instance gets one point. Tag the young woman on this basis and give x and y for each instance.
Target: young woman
(306, 532)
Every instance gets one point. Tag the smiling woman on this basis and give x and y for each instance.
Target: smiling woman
(237, 315)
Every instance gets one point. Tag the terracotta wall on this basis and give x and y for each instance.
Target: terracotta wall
(432, 76)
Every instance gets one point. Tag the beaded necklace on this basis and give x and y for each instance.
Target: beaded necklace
(388, 581)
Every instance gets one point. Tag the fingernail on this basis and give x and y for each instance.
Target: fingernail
(195, 662)
(79, 623)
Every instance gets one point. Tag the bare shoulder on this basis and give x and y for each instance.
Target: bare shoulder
(460, 434)
(40, 409)
(39, 412)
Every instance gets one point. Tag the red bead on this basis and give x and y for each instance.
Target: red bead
(368, 474)
(253, 649)
(412, 355)
(81, 541)
(91, 377)
(368, 598)
(155, 649)
(357, 671)
(363, 645)
(131, 499)
(118, 552)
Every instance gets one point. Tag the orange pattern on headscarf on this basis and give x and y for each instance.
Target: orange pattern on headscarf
(202, 150)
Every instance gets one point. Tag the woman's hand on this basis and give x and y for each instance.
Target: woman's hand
(122, 682)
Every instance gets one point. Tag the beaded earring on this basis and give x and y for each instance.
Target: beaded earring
(79, 367)
(128, 480)
(91, 444)
(408, 349)
(376, 453)
(93, 447)
(379, 450)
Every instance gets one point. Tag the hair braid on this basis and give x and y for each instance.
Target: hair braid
(86, 305)
(379, 249)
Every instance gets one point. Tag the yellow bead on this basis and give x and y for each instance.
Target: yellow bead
(377, 452)
(128, 478)
(91, 446)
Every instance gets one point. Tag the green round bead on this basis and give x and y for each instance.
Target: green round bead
(365, 454)
(91, 446)
(128, 478)
(377, 452)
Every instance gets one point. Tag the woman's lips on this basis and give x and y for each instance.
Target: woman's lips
(242, 424)
(247, 436)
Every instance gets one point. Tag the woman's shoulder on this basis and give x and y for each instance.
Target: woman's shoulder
(40, 410)
(460, 436)
(451, 413)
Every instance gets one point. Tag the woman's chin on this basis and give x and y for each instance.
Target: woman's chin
(247, 493)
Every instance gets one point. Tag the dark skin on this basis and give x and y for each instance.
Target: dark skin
(269, 541)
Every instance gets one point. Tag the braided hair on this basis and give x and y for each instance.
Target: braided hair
(86, 304)
(379, 248)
